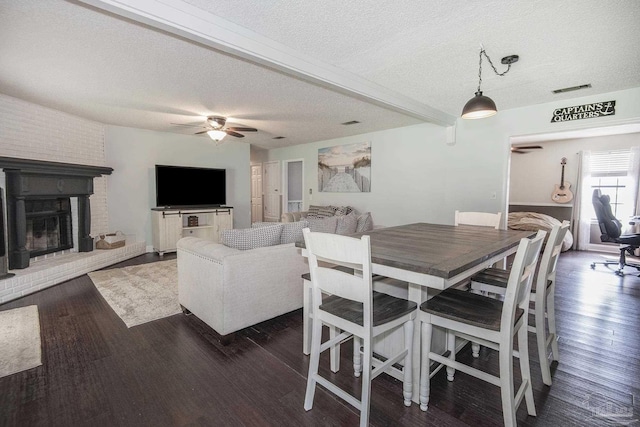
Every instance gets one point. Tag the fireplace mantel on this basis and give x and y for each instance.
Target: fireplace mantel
(37, 179)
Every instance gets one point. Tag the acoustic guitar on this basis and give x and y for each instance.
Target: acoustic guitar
(562, 193)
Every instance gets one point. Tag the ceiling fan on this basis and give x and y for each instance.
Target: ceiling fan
(215, 128)
(524, 149)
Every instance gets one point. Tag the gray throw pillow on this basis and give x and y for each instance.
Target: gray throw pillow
(365, 223)
(347, 224)
(291, 231)
(325, 225)
(251, 238)
(321, 211)
(343, 210)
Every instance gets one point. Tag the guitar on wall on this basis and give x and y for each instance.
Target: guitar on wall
(562, 193)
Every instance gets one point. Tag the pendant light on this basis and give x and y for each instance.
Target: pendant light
(481, 106)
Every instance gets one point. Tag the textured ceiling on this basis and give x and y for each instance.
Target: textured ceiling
(82, 60)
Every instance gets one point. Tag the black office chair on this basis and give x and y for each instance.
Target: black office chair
(611, 230)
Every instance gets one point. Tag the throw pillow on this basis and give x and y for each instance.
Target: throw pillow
(365, 223)
(291, 231)
(347, 224)
(321, 211)
(324, 225)
(251, 238)
(342, 210)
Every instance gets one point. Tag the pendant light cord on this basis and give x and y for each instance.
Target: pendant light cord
(482, 52)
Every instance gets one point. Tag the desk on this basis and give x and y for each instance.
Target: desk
(435, 256)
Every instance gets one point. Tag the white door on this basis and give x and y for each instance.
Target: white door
(256, 193)
(272, 191)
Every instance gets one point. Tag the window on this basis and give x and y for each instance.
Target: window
(610, 174)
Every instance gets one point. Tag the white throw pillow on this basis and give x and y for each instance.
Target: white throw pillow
(251, 238)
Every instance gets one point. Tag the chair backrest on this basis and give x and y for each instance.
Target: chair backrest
(484, 219)
(341, 250)
(520, 280)
(610, 227)
(550, 255)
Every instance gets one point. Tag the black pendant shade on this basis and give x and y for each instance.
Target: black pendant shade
(479, 107)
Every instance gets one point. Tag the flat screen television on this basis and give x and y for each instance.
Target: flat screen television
(182, 186)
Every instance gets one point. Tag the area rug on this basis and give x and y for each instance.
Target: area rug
(20, 347)
(140, 293)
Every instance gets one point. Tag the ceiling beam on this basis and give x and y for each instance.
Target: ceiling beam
(179, 18)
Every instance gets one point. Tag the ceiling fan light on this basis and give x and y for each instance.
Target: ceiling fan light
(216, 135)
(479, 107)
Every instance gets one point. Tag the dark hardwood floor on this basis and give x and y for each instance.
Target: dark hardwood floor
(173, 371)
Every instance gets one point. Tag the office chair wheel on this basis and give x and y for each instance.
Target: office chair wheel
(619, 273)
(593, 265)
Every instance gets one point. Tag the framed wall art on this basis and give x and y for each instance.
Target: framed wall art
(345, 168)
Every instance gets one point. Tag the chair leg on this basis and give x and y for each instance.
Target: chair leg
(525, 369)
(541, 340)
(451, 348)
(506, 383)
(334, 351)
(425, 363)
(407, 370)
(357, 356)
(307, 323)
(551, 317)
(316, 337)
(475, 349)
(366, 381)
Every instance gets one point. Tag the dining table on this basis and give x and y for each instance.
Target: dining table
(431, 258)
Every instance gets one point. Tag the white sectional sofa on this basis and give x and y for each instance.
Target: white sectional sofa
(231, 289)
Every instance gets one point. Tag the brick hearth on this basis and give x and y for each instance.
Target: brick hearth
(58, 268)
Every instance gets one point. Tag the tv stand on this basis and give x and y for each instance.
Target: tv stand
(168, 225)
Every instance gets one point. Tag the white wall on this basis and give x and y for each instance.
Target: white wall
(533, 175)
(416, 176)
(30, 131)
(133, 154)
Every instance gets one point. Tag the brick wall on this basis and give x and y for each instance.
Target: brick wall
(30, 131)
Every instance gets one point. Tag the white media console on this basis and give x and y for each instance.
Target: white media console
(169, 225)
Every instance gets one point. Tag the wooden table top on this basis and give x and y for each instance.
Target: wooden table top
(438, 250)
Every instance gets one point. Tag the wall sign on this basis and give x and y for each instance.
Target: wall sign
(586, 111)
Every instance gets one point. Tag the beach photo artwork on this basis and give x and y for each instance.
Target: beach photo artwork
(345, 168)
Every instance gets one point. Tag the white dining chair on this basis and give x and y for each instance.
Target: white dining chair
(481, 219)
(484, 219)
(494, 281)
(493, 323)
(348, 303)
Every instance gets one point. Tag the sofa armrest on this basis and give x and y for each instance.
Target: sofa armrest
(293, 216)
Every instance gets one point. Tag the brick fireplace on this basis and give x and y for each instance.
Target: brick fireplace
(38, 195)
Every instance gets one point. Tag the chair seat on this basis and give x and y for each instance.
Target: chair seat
(386, 308)
(499, 278)
(469, 308)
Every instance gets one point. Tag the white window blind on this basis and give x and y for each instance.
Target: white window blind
(610, 163)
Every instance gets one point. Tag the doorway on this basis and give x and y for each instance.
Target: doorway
(293, 185)
(256, 193)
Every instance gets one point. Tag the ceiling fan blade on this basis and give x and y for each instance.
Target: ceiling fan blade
(528, 147)
(242, 129)
(519, 151)
(232, 133)
(200, 133)
(187, 125)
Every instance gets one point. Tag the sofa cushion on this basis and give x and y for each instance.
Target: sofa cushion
(291, 231)
(321, 211)
(365, 223)
(251, 238)
(324, 225)
(347, 224)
